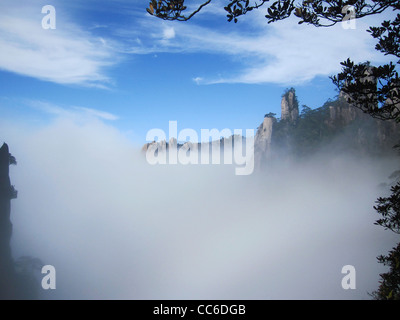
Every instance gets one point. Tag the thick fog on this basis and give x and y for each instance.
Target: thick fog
(115, 227)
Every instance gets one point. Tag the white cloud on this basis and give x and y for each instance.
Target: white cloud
(168, 33)
(74, 112)
(296, 54)
(198, 80)
(66, 55)
(117, 228)
(98, 114)
(283, 52)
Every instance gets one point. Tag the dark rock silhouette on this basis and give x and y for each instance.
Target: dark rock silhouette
(15, 283)
(7, 192)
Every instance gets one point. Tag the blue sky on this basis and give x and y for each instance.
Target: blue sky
(112, 61)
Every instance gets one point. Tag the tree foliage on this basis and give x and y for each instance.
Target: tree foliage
(316, 12)
(389, 288)
(375, 90)
(270, 115)
(389, 209)
(172, 9)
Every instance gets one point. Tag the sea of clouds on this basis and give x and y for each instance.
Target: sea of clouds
(115, 227)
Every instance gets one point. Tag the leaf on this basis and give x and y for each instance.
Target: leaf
(298, 12)
(150, 9)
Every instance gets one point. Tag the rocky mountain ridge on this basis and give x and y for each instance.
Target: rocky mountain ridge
(337, 126)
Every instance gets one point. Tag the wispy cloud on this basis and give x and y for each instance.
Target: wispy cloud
(72, 112)
(97, 113)
(283, 52)
(198, 80)
(65, 55)
(169, 33)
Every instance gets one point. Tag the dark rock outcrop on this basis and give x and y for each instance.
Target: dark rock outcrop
(7, 192)
(17, 279)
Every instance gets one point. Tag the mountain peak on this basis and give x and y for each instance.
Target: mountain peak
(289, 106)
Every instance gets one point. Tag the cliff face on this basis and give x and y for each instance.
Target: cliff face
(262, 141)
(17, 278)
(264, 134)
(344, 114)
(7, 192)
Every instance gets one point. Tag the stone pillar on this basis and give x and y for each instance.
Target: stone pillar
(289, 107)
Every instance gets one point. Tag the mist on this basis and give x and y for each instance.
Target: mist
(115, 227)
